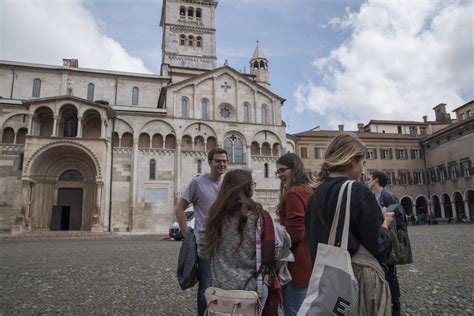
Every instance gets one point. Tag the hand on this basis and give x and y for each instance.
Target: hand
(387, 218)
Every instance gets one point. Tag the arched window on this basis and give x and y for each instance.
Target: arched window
(198, 14)
(184, 107)
(20, 135)
(8, 136)
(90, 92)
(190, 12)
(127, 140)
(36, 88)
(71, 175)
(266, 150)
(144, 140)
(152, 169)
(199, 166)
(264, 114)
(190, 40)
(135, 96)
(205, 109)
(182, 12)
(235, 149)
(246, 112)
(199, 41)
(266, 171)
(262, 64)
(255, 64)
(182, 40)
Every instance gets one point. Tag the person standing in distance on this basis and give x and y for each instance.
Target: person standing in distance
(202, 192)
(376, 183)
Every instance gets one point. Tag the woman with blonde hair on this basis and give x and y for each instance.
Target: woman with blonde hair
(368, 226)
(294, 193)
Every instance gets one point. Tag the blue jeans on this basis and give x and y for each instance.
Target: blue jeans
(292, 299)
(205, 280)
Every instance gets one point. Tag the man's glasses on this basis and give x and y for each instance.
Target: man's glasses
(218, 161)
(281, 170)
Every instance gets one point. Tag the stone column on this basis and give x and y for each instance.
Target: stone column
(237, 100)
(55, 125)
(22, 221)
(14, 137)
(103, 129)
(79, 127)
(177, 164)
(413, 207)
(443, 214)
(194, 102)
(249, 156)
(453, 206)
(96, 218)
(30, 124)
(467, 212)
(133, 184)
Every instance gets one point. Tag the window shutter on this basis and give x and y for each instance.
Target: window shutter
(410, 182)
(406, 153)
(375, 153)
(391, 153)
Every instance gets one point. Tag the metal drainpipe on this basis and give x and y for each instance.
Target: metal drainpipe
(427, 178)
(111, 173)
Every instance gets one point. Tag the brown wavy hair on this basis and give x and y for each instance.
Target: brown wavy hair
(340, 153)
(298, 177)
(234, 199)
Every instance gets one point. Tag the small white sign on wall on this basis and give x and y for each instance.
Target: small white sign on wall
(156, 195)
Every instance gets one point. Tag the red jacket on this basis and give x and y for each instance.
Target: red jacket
(292, 217)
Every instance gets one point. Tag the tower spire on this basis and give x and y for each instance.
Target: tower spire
(259, 66)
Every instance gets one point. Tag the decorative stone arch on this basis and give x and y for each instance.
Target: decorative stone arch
(21, 136)
(200, 129)
(157, 141)
(62, 143)
(122, 126)
(42, 184)
(43, 122)
(8, 135)
(170, 141)
(446, 202)
(266, 149)
(436, 206)
(186, 142)
(126, 140)
(255, 149)
(157, 126)
(408, 204)
(69, 120)
(268, 136)
(9, 121)
(144, 140)
(91, 121)
(457, 199)
(199, 143)
(421, 203)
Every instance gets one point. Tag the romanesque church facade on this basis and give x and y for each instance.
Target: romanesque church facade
(90, 149)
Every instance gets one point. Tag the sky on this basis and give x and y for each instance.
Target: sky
(334, 61)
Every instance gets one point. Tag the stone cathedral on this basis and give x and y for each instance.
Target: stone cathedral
(99, 150)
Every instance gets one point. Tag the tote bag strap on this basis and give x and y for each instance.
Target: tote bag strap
(335, 220)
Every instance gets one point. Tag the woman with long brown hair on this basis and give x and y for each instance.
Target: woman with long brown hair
(294, 193)
(230, 233)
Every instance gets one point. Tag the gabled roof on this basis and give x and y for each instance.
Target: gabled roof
(333, 133)
(465, 104)
(225, 68)
(258, 53)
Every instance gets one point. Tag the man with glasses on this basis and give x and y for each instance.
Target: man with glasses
(202, 191)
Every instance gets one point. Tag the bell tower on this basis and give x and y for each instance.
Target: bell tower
(259, 67)
(189, 34)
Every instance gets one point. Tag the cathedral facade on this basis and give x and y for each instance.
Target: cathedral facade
(98, 150)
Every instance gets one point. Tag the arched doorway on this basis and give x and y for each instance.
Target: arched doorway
(421, 206)
(63, 189)
(459, 205)
(470, 202)
(436, 206)
(407, 205)
(448, 210)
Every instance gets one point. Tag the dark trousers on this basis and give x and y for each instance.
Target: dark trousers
(205, 280)
(392, 279)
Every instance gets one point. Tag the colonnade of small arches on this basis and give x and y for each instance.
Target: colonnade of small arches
(12, 136)
(190, 12)
(157, 141)
(456, 206)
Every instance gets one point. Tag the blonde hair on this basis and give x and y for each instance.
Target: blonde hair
(340, 154)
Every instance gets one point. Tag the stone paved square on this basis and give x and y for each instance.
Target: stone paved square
(136, 275)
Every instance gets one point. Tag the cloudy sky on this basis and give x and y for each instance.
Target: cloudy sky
(335, 61)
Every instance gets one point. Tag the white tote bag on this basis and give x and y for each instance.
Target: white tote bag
(333, 288)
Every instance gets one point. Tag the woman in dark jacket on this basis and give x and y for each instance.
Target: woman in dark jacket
(343, 160)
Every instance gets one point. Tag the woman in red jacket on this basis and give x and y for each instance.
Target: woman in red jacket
(294, 194)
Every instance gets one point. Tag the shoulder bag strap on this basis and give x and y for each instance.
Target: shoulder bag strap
(345, 231)
(335, 219)
(258, 256)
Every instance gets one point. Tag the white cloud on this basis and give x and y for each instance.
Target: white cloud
(401, 59)
(48, 31)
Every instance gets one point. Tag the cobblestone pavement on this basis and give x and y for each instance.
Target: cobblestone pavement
(137, 275)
